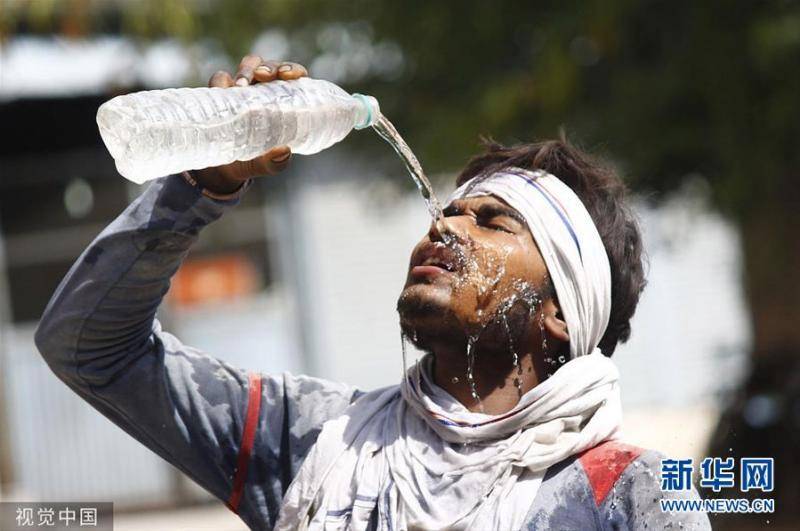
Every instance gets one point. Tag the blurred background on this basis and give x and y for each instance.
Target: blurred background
(696, 103)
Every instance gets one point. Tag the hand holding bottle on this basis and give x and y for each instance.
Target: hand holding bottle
(238, 130)
(229, 177)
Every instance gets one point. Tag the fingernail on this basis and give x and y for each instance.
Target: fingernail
(285, 68)
(242, 82)
(282, 158)
(265, 69)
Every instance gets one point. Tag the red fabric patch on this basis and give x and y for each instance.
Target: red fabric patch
(248, 436)
(605, 463)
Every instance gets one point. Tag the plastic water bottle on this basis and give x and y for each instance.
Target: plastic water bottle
(159, 132)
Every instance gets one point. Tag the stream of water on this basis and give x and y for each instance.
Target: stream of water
(388, 132)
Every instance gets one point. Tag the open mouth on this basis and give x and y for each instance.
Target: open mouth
(435, 262)
(434, 258)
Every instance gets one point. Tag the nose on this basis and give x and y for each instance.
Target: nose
(443, 228)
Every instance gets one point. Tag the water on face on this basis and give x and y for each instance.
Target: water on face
(486, 276)
(387, 131)
(523, 296)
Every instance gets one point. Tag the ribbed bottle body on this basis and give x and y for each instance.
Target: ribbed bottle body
(160, 132)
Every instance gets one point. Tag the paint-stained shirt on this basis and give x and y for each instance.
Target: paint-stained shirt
(243, 436)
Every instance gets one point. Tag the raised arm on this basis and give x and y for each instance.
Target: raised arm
(99, 334)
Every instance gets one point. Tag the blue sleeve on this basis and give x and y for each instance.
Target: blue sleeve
(100, 335)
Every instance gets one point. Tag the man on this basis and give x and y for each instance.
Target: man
(510, 421)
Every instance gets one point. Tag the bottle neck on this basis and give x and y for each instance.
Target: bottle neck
(368, 111)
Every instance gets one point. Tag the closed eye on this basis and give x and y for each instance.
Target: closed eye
(499, 218)
(491, 216)
(494, 224)
(451, 210)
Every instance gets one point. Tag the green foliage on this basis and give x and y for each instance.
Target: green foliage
(665, 88)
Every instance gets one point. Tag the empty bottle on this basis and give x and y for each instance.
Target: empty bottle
(159, 132)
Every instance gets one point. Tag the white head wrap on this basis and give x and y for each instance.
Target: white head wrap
(568, 241)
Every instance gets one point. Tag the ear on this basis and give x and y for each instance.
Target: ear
(554, 323)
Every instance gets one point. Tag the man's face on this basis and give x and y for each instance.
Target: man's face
(454, 291)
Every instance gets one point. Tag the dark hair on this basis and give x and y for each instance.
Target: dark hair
(605, 196)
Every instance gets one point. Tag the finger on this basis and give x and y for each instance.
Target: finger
(279, 154)
(246, 68)
(289, 71)
(267, 71)
(220, 79)
(271, 162)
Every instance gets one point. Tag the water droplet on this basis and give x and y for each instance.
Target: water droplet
(514, 355)
(470, 377)
(405, 362)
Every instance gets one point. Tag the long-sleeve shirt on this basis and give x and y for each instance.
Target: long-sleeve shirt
(100, 335)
